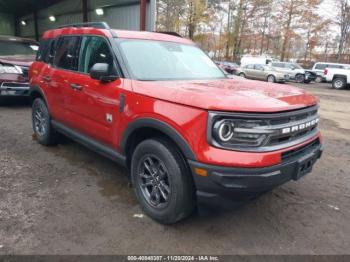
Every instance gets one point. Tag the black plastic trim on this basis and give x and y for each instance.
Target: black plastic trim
(90, 143)
(225, 186)
(33, 89)
(162, 127)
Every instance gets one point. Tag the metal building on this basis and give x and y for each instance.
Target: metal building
(28, 18)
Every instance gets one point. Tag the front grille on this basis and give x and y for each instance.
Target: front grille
(14, 85)
(300, 151)
(263, 132)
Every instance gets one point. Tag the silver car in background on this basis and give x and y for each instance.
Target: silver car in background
(262, 72)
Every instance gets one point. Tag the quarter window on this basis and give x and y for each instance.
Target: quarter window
(66, 53)
(94, 50)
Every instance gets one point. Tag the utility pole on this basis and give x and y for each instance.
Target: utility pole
(228, 31)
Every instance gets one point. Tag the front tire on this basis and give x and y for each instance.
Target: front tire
(44, 132)
(339, 83)
(299, 78)
(162, 181)
(271, 79)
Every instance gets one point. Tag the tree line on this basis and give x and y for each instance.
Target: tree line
(283, 29)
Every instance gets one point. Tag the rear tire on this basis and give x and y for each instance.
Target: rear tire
(162, 181)
(339, 83)
(242, 75)
(41, 120)
(319, 79)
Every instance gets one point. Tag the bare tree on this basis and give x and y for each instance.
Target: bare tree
(343, 20)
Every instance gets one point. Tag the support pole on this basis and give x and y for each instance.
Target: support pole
(36, 28)
(85, 11)
(143, 15)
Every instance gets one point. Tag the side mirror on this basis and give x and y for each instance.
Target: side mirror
(100, 71)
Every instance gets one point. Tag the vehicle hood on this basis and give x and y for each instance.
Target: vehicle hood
(235, 94)
(20, 60)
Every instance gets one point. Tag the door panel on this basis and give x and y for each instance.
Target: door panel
(96, 107)
(95, 104)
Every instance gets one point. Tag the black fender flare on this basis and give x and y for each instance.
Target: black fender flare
(161, 127)
(36, 89)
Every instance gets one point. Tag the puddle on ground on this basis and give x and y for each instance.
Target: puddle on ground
(116, 187)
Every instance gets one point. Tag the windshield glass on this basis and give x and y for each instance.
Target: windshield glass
(157, 60)
(8, 48)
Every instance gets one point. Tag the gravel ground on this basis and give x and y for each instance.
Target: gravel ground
(69, 200)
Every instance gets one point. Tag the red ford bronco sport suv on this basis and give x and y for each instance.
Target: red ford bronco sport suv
(158, 105)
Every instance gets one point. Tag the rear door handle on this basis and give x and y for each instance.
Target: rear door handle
(76, 87)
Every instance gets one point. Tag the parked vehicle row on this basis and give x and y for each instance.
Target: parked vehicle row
(16, 55)
(268, 69)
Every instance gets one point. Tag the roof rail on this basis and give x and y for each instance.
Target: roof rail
(99, 25)
(169, 33)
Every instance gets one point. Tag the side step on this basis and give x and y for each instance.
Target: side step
(90, 143)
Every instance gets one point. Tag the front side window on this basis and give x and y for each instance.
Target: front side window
(94, 50)
(158, 60)
(12, 48)
(294, 66)
(66, 53)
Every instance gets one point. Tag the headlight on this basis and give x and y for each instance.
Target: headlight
(224, 130)
(10, 69)
(238, 133)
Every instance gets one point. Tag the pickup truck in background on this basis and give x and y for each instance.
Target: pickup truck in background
(339, 77)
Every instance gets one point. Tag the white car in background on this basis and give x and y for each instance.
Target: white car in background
(319, 68)
(295, 71)
(340, 77)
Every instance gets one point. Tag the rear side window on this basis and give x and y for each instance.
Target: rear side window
(249, 66)
(94, 50)
(66, 55)
(259, 67)
(46, 51)
(42, 50)
(278, 65)
(321, 66)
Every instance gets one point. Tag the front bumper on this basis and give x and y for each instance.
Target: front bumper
(14, 89)
(223, 187)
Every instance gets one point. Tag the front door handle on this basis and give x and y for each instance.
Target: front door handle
(76, 87)
(46, 78)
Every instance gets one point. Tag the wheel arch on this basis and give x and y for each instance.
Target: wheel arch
(271, 75)
(339, 76)
(36, 92)
(145, 128)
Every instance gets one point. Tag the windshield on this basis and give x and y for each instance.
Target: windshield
(157, 60)
(9, 48)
